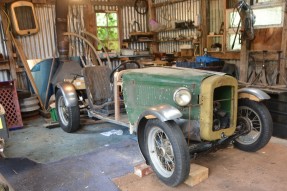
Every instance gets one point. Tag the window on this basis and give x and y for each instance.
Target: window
(107, 30)
(271, 16)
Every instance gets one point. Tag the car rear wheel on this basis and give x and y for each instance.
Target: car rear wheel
(167, 151)
(255, 117)
(69, 117)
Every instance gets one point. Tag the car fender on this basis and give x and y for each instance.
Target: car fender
(161, 112)
(252, 94)
(69, 93)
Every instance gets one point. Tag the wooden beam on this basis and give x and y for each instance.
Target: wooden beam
(282, 67)
(243, 67)
(167, 3)
(23, 58)
(4, 66)
(8, 44)
(226, 55)
(243, 64)
(205, 22)
(113, 2)
(90, 25)
(152, 16)
(120, 25)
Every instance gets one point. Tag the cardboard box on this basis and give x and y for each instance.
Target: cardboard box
(187, 52)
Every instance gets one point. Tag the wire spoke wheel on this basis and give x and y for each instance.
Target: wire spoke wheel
(166, 151)
(161, 151)
(254, 118)
(253, 123)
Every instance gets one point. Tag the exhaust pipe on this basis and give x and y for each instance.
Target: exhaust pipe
(62, 7)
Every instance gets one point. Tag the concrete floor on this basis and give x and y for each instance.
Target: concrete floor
(52, 160)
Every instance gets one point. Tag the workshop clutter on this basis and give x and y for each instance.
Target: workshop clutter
(203, 62)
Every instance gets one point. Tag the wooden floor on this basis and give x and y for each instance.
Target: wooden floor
(229, 169)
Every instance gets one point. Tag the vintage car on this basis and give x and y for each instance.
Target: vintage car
(176, 113)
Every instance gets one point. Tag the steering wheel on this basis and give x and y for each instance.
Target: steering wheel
(130, 64)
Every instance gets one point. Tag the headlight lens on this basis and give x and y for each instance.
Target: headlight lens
(182, 96)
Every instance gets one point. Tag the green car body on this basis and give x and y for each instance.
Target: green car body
(149, 87)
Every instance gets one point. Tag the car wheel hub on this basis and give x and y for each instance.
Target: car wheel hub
(161, 152)
(251, 123)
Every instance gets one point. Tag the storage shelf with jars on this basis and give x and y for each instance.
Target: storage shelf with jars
(215, 43)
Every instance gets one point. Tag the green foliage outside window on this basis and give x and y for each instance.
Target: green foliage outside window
(107, 30)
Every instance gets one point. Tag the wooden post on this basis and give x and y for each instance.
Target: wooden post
(8, 44)
(120, 25)
(152, 15)
(243, 67)
(243, 64)
(90, 25)
(205, 5)
(26, 66)
(282, 70)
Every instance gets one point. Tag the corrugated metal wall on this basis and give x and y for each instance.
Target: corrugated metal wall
(129, 15)
(216, 15)
(42, 44)
(166, 14)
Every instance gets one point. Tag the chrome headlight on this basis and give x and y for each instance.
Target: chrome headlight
(182, 96)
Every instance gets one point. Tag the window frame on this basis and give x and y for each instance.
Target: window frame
(256, 6)
(107, 27)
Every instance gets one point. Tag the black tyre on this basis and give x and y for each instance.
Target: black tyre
(68, 117)
(254, 116)
(167, 151)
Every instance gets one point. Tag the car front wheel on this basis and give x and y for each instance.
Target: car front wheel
(69, 117)
(254, 117)
(167, 151)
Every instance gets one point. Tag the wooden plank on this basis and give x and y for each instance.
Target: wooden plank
(113, 2)
(267, 39)
(120, 26)
(90, 25)
(243, 64)
(197, 174)
(39, 1)
(205, 5)
(154, 47)
(142, 33)
(8, 44)
(226, 55)
(282, 67)
(170, 2)
(243, 67)
(5, 66)
(23, 58)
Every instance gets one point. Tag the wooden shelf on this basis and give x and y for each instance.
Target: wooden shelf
(162, 41)
(4, 67)
(142, 33)
(212, 39)
(170, 30)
